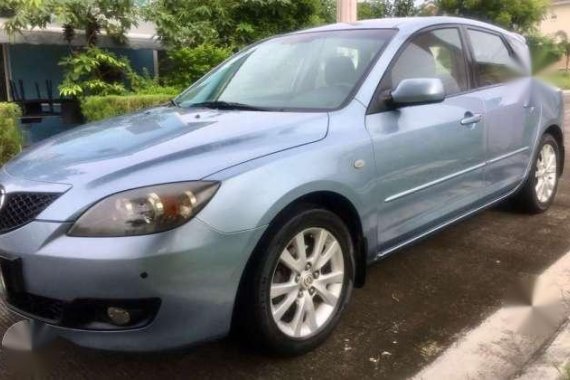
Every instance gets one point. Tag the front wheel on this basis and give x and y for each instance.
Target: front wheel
(539, 190)
(299, 284)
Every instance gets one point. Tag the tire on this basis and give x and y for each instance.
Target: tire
(269, 319)
(531, 198)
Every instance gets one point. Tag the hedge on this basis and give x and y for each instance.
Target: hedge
(559, 79)
(102, 107)
(11, 138)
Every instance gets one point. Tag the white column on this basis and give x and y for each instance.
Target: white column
(346, 10)
(155, 63)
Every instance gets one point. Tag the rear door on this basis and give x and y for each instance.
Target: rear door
(503, 86)
(429, 160)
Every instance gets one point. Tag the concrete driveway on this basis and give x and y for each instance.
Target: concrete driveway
(413, 306)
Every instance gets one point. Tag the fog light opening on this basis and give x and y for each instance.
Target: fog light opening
(119, 316)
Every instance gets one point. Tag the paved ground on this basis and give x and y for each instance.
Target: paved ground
(554, 361)
(414, 304)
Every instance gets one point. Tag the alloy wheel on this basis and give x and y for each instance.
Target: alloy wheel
(307, 283)
(546, 173)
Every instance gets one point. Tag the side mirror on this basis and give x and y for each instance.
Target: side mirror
(418, 91)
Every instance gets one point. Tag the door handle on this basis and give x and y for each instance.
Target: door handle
(471, 119)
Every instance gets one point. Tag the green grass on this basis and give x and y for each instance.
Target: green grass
(566, 372)
(559, 79)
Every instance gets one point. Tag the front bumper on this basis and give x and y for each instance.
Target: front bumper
(193, 270)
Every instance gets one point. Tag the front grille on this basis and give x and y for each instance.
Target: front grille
(19, 209)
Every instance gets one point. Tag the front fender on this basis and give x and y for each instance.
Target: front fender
(253, 193)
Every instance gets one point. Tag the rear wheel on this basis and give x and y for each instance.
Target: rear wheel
(539, 190)
(299, 284)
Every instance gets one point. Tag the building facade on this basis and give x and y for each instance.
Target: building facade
(30, 73)
(29, 61)
(557, 19)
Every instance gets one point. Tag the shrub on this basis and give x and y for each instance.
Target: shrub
(102, 107)
(146, 85)
(10, 135)
(182, 67)
(559, 79)
(94, 71)
(544, 52)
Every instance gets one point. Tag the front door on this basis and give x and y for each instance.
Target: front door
(428, 157)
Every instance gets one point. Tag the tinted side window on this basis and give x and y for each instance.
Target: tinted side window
(493, 61)
(434, 54)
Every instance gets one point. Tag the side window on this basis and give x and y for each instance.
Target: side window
(493, 61)
(435, 54)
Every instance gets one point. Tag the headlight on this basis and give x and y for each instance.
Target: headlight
(144, 211)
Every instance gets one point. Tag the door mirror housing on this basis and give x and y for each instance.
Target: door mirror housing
(418, 91)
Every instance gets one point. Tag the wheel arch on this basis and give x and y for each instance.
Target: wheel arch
(556, 132)
(347, 212)
(336, 203)
(331, 201)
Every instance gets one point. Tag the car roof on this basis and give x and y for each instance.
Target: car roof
(411, 24)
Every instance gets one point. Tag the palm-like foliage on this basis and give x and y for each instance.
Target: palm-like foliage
(115, 17)
(88, 70)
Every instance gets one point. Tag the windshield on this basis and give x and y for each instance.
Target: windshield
(315, 70)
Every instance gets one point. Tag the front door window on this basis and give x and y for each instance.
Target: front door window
(434, 54)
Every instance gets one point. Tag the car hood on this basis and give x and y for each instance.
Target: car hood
(165, 144)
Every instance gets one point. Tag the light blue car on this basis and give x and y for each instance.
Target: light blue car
(257, 198)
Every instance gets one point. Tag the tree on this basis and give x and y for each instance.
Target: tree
(198, 34)
(564, 44)
(190, 23)
(95, 72)
(518, 15)
(115, 17)
(372, 9)
(403, 8)
(258, 19)
(327, 14)
(195, 61)
(87, 70)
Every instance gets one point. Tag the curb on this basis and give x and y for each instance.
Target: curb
(554, 361)
(510, 339)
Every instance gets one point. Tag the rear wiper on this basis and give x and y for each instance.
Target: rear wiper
(227, 106)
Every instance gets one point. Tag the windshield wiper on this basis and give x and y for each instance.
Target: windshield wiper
(220, 105)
